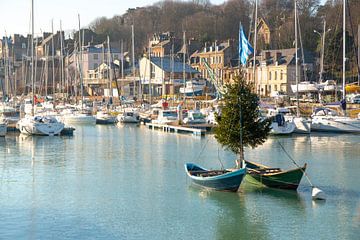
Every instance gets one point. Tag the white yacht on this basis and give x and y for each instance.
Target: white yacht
(328, 120)
(40, 125)
(71, 116)
(104, 117)
(193, 88)
(302, 124)
(304, 87)
(195, 117)
(166, 117)
(129, 115)
(280, 125)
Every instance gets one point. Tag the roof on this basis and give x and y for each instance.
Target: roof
(166, 65)
(287, 57)
(101, 50)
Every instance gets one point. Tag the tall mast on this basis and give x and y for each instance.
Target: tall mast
(322, 53)
(184, 56)
(344, 48)
(359, 54)
(62, 57)
(133, 58)
(32, 56)
(296, 62)
(80, 67)
(109, 68)
(52, 56)
(150, 85)
(255, 40)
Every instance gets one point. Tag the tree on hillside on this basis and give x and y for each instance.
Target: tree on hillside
(240, 125)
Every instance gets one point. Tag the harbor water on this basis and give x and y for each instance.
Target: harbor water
(129, 182)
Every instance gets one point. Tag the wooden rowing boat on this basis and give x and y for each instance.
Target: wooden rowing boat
(220, 180)
(274, 177)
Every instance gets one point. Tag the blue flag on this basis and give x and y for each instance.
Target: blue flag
(245, 48)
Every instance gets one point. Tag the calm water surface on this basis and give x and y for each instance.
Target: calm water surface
(128, 182)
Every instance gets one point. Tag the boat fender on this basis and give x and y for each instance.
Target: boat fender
(317, 194)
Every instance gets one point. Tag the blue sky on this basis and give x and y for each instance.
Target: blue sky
(15, 14)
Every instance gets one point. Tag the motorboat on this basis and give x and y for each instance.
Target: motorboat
(129, 115)
(328, 120)
(280, 125)
(193, 88)
(166, 117)
(71, 116)
(104, 117)
(40, 125)
(302, 124)
(304, 87)
(194, 117)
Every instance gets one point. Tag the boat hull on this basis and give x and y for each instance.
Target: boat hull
(230, 180)
(3, 129)
(30, 126)
(335, 125)
(274, 178)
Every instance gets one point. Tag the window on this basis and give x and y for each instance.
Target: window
(23, 45)
(281, 75)
(275, 75)
(269, 75)
(95, 65)
(275, 87)
(96, 56)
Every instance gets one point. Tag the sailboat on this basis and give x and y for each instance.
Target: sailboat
(82, 116)
(327, 120)
(302, 124)
(33, 124)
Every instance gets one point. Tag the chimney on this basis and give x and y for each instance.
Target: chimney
(278, 56)
(266, 55)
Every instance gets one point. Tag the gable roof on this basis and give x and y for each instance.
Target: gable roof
(166, 64)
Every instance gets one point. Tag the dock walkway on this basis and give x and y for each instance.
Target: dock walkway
(176, 129)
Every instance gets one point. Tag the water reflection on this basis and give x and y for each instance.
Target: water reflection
(234, 216)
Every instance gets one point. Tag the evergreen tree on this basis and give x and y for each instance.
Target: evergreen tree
(239, 124)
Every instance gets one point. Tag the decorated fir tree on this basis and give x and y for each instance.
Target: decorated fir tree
(239, 124)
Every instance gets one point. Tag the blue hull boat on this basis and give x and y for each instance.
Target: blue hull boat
(219, 180)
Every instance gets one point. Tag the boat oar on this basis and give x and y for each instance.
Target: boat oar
(317, 193)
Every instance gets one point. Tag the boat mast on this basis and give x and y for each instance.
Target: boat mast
(52, 57)
(133, 58)
(150, 85)
(359, 54)
(296, 63)
(255, 40)
(62, 57)
(32, 57)
(184, 56)
(80, 64)
(344, 48)
(109, 67)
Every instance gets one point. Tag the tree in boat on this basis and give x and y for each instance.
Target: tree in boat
(239, 124)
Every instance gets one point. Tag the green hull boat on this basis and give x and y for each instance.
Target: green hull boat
(274, 177)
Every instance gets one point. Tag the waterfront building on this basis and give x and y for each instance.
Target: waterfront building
(275, 70)
(219, 56)
(162, 72)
